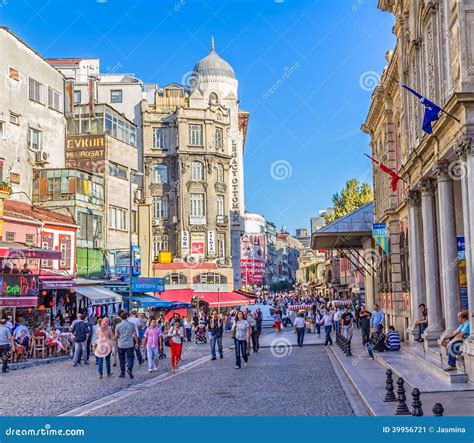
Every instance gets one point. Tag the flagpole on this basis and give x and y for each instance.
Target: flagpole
(373, 159)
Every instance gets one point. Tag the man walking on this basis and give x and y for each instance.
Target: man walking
(364, 322)
(327, 322)
(300, 326)
(6, 344)
(138, 327)
(127, 341)
(377, 317)
(257, 315)
(81, 333)
(216, 329)
(347, 320)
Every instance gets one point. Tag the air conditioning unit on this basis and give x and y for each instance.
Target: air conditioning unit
(41, 157)
(155, 222)
(174, 219)
(191, 259)
(95, 244)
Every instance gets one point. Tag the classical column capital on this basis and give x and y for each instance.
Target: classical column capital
(441, 170)
(428, 186)
(463, 146)
(413, 198)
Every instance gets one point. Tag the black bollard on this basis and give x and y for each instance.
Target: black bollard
(348, 351)
(438, 410)
(389, 395)
(344, 344)
(338, 339)
(417, 410)
(402, 408)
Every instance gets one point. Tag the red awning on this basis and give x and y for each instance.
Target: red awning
(184, 295)
(17, 251)
(18, 302)
(225, 299)
(182, 313)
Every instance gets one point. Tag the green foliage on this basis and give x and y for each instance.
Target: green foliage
(352, 196)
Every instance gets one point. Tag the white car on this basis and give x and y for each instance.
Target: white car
(267, 314)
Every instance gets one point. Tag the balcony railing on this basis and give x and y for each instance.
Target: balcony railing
(197, 220)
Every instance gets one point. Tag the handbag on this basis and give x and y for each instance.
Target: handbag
(166, 341)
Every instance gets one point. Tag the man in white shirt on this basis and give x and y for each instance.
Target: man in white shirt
(327, 321)
(337, 319)
(300, 326)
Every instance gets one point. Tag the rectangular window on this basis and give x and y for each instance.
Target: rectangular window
(197, 205)
(160, 207)
(34, 139)
(159, 138)
(221, 245)
(9, 236)
(116, 96)
(2, 129)
(30, 239)
(77, 96)
(117, 218)
(220, 205)
(118, 171)
(54, 99)
(160, 243)
(36, 91)
(195, 135)
(219, 138)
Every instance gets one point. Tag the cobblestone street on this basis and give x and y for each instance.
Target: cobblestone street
(287, 381)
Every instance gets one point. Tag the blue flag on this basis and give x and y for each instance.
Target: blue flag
(432, 110)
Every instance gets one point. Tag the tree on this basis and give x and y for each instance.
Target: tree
(352, 196)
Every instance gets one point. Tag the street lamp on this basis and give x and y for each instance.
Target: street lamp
(133, 175)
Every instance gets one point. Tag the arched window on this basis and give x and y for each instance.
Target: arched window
(197, 171)
(213, 98)
(160, 174)
(175, 279)
(220, 173)
(210, 278)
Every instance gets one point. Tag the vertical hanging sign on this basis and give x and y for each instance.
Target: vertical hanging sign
(379, 233)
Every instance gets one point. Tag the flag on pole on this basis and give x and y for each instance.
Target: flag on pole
(432, 110)
(395, 177)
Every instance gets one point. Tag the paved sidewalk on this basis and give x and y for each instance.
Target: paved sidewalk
(368, 378)
(287, 336)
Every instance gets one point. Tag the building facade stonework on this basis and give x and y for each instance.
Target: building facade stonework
(432, 211)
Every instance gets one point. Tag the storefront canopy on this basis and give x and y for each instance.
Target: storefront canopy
(148, 301)
(98, 295)
(225, 299)
(15, 251)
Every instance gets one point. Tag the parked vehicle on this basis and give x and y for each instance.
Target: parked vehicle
(267, 313)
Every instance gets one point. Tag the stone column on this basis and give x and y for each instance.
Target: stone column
(448, 247)
(415, 247)
(433, 299)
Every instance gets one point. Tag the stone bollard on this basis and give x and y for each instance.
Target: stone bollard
(438, 410)
(417, 411)
(402, 408)
(389, 395)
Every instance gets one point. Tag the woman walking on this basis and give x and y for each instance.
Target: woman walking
(104, 346)
(176, 336)
(241, 333)
(151, 343)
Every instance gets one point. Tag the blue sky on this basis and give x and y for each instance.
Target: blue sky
(306, 70)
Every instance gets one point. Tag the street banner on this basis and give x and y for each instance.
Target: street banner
(461, 247)
(184, 243)
(198, 240)
(379, 233)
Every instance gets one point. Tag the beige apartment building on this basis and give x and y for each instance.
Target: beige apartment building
(430, 218)
(193, 139)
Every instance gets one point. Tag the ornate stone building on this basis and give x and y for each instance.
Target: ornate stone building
(193, 189)
(432, 214)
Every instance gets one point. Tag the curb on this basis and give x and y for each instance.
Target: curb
(37, 362)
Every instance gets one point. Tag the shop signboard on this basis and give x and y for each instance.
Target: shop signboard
(122, 262)
(184, 243)
(379, 233)
(85, 152)
(19, 285)
(145, 284)
(197, 244)
(461, 246)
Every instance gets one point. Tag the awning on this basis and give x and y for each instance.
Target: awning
(98, 295)
(298, 307)
(56, 282)
(148, 301)
(19, 251)
(181, 295)
(18, 302)
(225, 299)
